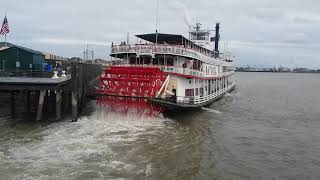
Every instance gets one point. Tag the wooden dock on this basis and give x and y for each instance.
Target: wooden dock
(69, 91)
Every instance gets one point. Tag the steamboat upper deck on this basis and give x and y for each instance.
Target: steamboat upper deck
(170, 44)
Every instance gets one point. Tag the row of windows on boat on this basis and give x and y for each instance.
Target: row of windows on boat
(210, 89)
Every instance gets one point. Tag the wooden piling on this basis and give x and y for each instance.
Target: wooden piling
(13, 104)
(71, 91)
(58, 105)
(74, 102)
(40, 104)
(66, 101)
(74, 94)
(28, 101)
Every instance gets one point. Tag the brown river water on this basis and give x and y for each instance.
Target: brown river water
(267, 128)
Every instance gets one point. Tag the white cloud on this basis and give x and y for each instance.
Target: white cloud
(304, 17)
(297, 38)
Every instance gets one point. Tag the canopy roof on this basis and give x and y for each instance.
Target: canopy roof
(8, 45)
(168, 39)
(164, 38)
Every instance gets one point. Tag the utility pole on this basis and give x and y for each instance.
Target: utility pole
(88, 54)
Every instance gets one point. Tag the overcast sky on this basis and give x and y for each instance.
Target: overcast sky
(258, 32)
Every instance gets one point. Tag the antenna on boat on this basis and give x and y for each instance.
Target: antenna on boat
(157, 21)
(128, 37)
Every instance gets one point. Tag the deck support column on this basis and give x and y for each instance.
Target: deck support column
(74, 102)
(74, 93)
(67, 101)
(40, 104)
(28, 102)
(12, 104)
(58, 105)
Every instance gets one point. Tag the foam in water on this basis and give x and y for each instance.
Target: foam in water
(211, 110)
(69, 145)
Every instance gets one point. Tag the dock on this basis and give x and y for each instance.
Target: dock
(51, 92)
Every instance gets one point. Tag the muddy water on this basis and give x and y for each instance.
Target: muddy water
(268, 128)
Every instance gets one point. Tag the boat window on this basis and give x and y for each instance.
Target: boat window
(170, 62)
(189, 92)
(155, 61)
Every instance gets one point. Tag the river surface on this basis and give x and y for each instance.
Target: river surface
(267, 128)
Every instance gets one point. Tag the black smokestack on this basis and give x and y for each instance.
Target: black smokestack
(217, 38)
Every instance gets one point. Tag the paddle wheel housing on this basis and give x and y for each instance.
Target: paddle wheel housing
(127, 88)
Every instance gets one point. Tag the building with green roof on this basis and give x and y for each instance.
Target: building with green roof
(13, 57)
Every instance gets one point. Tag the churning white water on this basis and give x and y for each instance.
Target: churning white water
(62, 148)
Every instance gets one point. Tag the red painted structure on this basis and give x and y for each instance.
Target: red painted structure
(126, 89)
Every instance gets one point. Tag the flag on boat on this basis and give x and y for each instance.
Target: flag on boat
(5, 27)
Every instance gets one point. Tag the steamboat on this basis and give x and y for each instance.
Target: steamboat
(167, 72)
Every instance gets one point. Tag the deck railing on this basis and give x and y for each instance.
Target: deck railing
(192, 100)
(150, 49)
(199, 100)
(183, 71)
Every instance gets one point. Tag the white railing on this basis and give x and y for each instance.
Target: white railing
(149, 48)
(192, 72)
(167, 49)
(226, 73)
(174, 70)
(199, 100)
(184, 71)
(181, 70)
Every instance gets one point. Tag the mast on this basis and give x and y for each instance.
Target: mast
(157, 21)
(128, 36)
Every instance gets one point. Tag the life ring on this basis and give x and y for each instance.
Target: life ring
(184, 65)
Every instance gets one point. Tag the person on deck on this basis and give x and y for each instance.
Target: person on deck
(174, 96)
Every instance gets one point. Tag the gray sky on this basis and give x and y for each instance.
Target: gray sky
(258, 32)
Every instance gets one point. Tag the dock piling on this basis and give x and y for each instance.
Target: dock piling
(58, 105)
(28, 102)
(46, 96)
(13, 104)
(40, 104)
(74, 101)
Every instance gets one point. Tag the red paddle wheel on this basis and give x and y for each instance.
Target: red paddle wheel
(126, 89)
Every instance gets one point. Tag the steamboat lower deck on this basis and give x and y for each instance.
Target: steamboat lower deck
(173, 104)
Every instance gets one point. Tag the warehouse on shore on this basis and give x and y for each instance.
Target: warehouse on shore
(14, 57)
